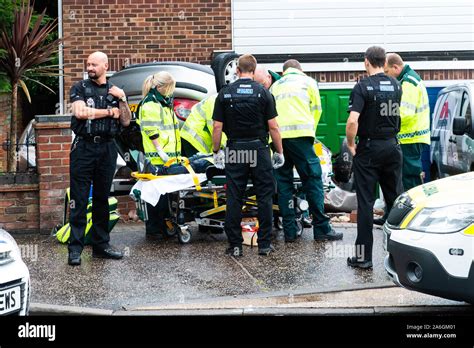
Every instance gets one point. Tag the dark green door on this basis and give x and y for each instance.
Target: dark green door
(332, 126)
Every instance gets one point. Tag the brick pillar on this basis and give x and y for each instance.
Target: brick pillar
(53, 142)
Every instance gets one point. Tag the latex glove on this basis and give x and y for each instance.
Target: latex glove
(163, 155)
(278, 160)
(219, 159)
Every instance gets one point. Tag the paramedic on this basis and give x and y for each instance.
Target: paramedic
(161, 140)
(299, 108)
(196, 133)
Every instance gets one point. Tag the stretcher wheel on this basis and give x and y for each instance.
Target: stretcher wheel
(184, 237)
(171, 229)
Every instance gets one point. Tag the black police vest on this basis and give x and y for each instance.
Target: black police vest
(380, 118)
(97, 97)
(244, 116)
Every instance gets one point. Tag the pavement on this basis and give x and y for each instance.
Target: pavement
(166, 277)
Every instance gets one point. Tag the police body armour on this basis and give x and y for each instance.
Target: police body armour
(244, 117)
(381, 116)
(97, 97)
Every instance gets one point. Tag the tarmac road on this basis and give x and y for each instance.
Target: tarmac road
(154, 274)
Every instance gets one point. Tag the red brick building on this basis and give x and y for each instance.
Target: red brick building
(136, 31)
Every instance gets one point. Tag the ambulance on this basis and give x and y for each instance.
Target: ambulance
(429, 237)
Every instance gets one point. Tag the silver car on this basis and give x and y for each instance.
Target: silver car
(452, 131)
(194, 82)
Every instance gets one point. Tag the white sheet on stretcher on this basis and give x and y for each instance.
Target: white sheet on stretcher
(153, 189)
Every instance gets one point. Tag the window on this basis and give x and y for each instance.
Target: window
(466, 111)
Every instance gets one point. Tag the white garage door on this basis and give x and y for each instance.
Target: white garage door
(268, 27)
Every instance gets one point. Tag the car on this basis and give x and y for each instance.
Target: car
(14, 278)
(429, 237)
(452, 131)
(194, 82)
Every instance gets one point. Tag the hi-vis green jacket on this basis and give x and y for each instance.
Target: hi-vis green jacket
(198, 127)
(157, 121)
(298, 104)
(414, 109)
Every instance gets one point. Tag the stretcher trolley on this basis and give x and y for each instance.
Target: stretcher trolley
(201, 198)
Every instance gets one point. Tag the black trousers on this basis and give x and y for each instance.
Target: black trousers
(376, 161)
(244, 160)
(187, 149)
(90, 163)
(156, 216)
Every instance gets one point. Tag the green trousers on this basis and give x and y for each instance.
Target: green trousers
(412, 167)
(299, 153)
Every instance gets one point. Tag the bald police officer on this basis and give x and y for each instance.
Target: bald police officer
(99, 109)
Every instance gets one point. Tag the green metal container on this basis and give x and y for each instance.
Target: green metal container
(334, 101)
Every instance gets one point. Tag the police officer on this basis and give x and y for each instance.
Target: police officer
(99, 109)
(374, 118)
(246, 112)
(196, 133)
(299, 108)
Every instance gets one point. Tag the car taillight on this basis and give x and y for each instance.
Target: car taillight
(182, 107)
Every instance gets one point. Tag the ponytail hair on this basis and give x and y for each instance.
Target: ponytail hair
(163, 81)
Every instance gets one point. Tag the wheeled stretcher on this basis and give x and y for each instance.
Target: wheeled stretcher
(201, 198)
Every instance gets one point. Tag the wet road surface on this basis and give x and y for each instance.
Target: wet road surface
(164, 271)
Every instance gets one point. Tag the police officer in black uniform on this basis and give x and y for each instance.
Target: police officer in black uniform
(99, 110)
(375, 119)
(246, 112)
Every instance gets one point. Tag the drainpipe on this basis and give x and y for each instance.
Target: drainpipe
(61, 59)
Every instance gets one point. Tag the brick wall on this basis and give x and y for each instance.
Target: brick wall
(125, 205)
(135, 31)
(53, 139)
(19, 208)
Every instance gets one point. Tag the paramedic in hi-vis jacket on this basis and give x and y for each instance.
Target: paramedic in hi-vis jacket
(299, 109)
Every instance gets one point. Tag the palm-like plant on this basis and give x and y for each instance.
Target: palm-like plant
(26, 48)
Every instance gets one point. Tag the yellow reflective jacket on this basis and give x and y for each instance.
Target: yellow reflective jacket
(157, 121)
(198, 127)
(414, 109)
(298, 104)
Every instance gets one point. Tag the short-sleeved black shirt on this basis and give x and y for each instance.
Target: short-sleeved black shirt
(356, 100)
(244, 107)
(97, 97)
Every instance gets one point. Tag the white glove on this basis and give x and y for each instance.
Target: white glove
(163, 155)
(219, 159)
(278, 160)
